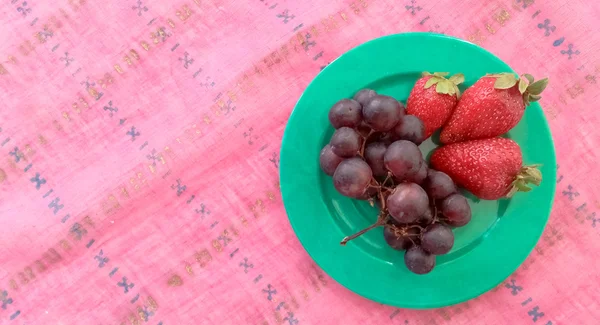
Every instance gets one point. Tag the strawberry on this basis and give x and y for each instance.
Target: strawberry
(488, 168)
(491, 107)
(434, 105)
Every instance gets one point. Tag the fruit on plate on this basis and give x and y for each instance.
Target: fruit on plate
(491, 107)
(433, 99)
(490, 168)
(382, 113)
(346, 112)
(378, 159)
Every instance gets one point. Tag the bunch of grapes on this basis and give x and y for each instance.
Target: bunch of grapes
(374, 155)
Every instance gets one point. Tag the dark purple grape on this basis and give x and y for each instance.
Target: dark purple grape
(420, 176)
(437, 239)
(438, 185)
(346, 112)
(409, 128)
(403, 158)
(418, 260)
(329, 160)
(456, 209)
(345, 142)
(401, 240)
(364, 95)
(382, 113)
(352, 177)
(374, 156)
(407, 202)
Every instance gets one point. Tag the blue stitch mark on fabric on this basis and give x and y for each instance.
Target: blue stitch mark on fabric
(186, 59)
(290, 319)
(180, 188)
(145, 314)
(66, 59)
(208, 83)
(535, 313)
(113, 272)
(570, 193)
(228, 106)
(24, 9)
(281, 305)
(16, 153)
(45, 34)
(570, 51)
(90, 243)
(412, 7)
(54, 205)
(285, 15)
(139, 7)
(110, 108)
(214, 224)
(318, 56)
(298, 27)
(65, 218)
(274, 159)
(133, 133)
(514, 288)
(6, 300)
(87, 83)
(526, 3)
(153, 157)
(233, 253)
(307, 43)
(38, 181)
(102, 260)
(224, 238)
(247, 265)
(270, 291)
(547, 27)
(422, 22)
(15, 314)
(47, 193)
(558, 42)
(126, 286)
(27, 167)
(248, 135)
(593, 218)
(135, 298)
(190, 199)
(78, 231)
(258, 278)
(526, 301)
(5, 141)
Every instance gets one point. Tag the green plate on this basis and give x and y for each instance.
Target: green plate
(486, 251)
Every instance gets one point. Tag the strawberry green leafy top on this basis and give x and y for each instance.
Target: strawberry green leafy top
(530, 90)
(444, 86)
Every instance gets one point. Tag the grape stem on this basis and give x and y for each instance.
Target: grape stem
(381, 220)
(362, 147)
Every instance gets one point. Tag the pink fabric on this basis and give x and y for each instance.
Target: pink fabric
(150, 194)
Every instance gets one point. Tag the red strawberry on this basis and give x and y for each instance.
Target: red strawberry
(491, 107)
(434, 105)
(489, 168)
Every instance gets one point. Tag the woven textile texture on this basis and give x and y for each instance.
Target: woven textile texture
(139, 156)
